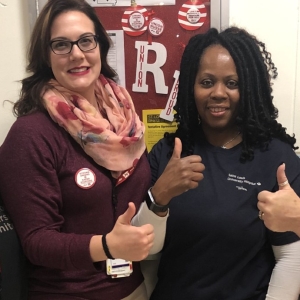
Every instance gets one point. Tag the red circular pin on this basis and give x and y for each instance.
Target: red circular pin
(134, 20)
(192, 15)
(85, 178)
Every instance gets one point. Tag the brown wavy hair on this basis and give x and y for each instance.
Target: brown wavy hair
(38, 53)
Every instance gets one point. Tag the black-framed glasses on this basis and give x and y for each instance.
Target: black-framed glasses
(85, 43)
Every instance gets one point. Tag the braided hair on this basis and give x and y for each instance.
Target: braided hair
(256, 119)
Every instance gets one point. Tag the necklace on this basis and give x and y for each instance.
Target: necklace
(224, 146)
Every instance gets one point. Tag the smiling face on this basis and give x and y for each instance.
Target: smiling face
(216, 90)
(77, 70)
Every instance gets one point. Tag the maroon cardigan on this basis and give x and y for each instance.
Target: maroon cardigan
(55, 219)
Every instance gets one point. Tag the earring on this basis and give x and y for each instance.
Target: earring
(199, 120)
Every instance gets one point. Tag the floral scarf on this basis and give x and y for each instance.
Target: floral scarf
(114, 138)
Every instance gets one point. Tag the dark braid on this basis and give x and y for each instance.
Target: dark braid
(186, 110)
(257, 114)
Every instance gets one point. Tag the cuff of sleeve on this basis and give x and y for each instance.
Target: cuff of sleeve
(146, 216)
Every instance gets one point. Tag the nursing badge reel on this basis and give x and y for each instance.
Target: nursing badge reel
(118, 268)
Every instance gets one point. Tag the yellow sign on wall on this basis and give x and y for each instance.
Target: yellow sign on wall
(155, 127)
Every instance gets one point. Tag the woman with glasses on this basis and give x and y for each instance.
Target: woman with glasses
(73, 166)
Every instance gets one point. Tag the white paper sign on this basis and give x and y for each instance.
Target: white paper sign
(116, 55)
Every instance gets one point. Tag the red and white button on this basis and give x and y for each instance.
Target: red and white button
(156, 26)
(192, 15)
(134, 20)
(85, 178)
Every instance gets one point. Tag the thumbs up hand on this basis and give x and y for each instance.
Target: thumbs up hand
(180, 175)
(129, 242)
(282, 180)
(281, 209)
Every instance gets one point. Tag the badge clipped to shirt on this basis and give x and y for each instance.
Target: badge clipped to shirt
(85, 178)
(118, 268)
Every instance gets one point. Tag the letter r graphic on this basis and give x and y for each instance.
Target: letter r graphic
(142, 67)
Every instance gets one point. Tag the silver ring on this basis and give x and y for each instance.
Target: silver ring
(284, 183)
(261, 214)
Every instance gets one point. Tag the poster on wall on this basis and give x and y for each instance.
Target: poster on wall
(103, 3)
(154, 40)
(155, 127)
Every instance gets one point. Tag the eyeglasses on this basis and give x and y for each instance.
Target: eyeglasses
(85, 43)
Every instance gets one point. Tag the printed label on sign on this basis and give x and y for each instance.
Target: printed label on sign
(156, 27)
(85, 178)
(193, 15)
(136, 20)
(5, 223)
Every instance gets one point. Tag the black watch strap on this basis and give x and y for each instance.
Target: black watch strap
(153, 206)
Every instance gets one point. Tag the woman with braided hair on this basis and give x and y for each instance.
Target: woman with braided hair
(216, 245)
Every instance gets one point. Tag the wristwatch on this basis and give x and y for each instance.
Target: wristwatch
(152, 205)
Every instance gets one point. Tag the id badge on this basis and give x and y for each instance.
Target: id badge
(117, 268)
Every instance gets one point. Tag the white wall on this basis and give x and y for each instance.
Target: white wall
(297, 85)
(275, 22)
(14, 28)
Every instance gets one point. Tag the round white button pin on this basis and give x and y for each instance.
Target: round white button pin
(85, 178)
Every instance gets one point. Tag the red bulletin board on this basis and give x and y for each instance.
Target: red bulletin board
(173, 38)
